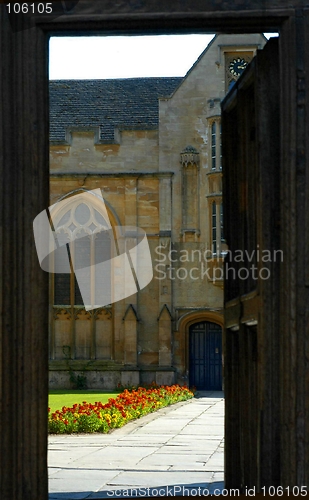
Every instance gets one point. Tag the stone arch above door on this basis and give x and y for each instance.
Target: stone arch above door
(188, 319)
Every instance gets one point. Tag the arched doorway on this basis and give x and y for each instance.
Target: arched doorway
(205, 356)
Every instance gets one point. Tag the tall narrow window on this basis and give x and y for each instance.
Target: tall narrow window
(83, 228)
(221, 222)
(213, 146)
(214, 228)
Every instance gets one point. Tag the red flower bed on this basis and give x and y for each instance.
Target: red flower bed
(128, 405)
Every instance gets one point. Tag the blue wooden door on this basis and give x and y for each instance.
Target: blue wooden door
(205, 356)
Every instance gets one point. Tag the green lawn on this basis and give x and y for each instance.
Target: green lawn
(60, 398)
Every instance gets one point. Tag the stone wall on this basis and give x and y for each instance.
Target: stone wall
(164, 182)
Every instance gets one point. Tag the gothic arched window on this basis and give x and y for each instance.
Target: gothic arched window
(86, 233)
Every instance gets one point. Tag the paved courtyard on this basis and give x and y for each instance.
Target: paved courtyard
(171, 452)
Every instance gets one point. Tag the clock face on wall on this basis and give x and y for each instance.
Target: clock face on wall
(237, 66)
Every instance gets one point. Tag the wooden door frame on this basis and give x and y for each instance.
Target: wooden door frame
(24, 149)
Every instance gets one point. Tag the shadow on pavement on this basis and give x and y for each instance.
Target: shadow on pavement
(209, 394)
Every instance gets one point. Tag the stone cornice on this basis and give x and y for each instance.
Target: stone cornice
(99, 175)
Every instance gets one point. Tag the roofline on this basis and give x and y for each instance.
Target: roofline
(198, 60)
(114, 79)
(192, 67)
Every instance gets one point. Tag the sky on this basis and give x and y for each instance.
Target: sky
(96, 57)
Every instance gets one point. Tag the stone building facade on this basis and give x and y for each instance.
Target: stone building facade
(153, 148)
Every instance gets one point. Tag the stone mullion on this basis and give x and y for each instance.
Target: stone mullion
(93, 301)
(72, 300)
(131, 219)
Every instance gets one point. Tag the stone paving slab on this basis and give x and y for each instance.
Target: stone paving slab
(157, 479)
(179, 447)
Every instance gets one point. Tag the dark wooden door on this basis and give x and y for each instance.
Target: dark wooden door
(252, 167)
(205, 356)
